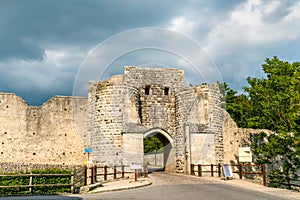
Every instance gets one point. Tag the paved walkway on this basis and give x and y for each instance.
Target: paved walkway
(121, 184)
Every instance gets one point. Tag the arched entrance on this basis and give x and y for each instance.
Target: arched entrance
(167, 156)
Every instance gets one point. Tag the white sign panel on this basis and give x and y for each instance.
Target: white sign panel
(136, 167)
(227, 170)
(245, 154)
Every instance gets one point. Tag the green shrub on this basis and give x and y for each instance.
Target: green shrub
(12, 181)
(24, 180)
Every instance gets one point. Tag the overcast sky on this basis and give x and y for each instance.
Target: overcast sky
(45, 45)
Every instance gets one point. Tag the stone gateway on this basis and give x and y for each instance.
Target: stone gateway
(115, 118)
(154, 101)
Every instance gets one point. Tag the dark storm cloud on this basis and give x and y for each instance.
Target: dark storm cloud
(43, 43)
(29, 26)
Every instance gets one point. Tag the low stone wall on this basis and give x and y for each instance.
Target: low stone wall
(17, 167)
(235, 137)
(151, 157)
(53, 133)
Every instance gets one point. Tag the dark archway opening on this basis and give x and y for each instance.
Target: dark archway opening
(156, 151)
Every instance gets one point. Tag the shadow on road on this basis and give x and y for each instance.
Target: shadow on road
(40, 197)
(153, 168)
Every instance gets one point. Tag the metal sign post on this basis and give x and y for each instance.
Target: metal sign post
(88, 151)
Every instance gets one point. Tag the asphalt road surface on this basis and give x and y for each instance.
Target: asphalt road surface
(173, 186)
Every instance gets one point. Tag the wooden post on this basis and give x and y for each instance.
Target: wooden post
(92, 175)
(72, 182)
(240, 171)
(85, 175)
(219, 169)
(115, 172)
(135, 175)
(199, 170)
(146, 170)
(30, 183)
(263, 171)
(123, 171)
(95, 174)
(212, 170)
(105, 173)
(192, 169)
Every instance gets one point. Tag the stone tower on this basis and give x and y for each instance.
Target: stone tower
(154, 101)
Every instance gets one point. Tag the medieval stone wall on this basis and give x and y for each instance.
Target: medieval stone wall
(158, 109)
(43, 134)
(105, 122)
(8, 167)
(185, 100)
(202, 125)
(13, 129)
(199, 126)
(235, 137)
(116, 116)
(216, 121)
(124, 107)
(140, 76)
(156, 159)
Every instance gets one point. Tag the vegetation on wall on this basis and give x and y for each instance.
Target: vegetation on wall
(273, 103)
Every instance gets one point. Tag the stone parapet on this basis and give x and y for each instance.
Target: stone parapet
(115, 118)
(44, 134)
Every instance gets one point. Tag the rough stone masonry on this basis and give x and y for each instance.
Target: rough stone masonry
(154, 101)
(115, 117)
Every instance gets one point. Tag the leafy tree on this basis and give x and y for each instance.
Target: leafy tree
(152, 144)
(274, 105)
(275, 99)
(236, 105)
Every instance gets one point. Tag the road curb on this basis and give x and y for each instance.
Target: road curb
(119, 189)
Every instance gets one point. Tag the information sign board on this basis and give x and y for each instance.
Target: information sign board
(245, 154)
(136, 166)
(227, 170)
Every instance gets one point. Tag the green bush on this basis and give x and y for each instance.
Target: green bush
(21, 180)
(12, 181)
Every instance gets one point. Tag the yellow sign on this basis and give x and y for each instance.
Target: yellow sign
(88, 162)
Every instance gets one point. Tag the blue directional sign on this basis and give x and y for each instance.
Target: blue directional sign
(88, 150)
